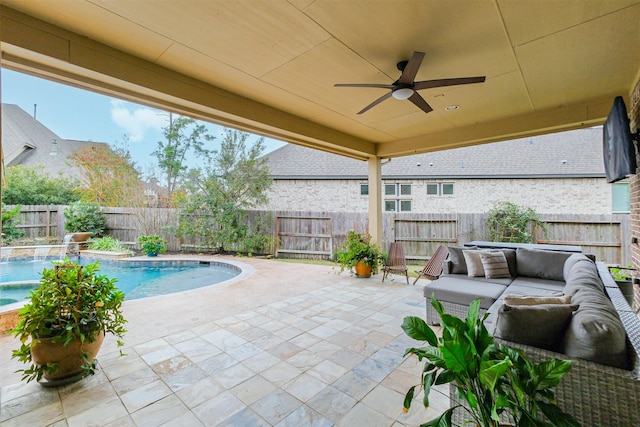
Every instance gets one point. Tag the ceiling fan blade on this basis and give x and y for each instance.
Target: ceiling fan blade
(383, 86)
(376, 102)
(426, 84)
(411, 69)
(420, 102)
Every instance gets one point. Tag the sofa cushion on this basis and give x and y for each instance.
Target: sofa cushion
(536, 299)
(536, 283)
(545, 324)
(474, 263)
(596, 332)
(463, 291)
(510, 255)
(517, 290)
(494, 264)
(506, 281)
(457, 264)
(571, 261)
(540, 263)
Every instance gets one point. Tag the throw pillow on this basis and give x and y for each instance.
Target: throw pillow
(541, 263)
(474, 263)
(541, 326)
(456, 259)
(536, 300)
(494, 264)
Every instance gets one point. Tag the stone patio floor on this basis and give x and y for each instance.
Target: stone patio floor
(283, 344)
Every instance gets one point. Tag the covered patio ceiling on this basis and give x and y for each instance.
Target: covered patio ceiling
(269, 67)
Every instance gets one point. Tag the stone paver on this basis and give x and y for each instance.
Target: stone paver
(282, 345)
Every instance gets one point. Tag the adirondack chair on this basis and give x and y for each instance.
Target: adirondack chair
(396, 262)
(433, 269)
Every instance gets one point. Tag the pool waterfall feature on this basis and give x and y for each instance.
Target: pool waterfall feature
(9, 313)
(13, 253)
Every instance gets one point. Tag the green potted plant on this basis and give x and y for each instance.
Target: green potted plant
(152, 244)
(108, 244)
(359, 255)
(83, 220)
(623, 277)
(497, 382)
(62, 326)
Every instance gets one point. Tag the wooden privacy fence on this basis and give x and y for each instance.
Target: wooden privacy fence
(40, 221)
(304, 236)
(420, 237)
(319, 234)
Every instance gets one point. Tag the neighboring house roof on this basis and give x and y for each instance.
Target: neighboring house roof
(27, 142)
(564, 155)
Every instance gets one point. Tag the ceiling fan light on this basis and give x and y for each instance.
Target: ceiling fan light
(402, 93)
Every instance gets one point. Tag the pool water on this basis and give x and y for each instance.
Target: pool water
(136, 280)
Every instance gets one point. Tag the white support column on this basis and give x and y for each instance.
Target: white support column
(375, 200)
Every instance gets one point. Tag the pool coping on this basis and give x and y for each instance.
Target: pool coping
(9, 312)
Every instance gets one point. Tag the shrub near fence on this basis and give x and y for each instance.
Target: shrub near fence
(318, 234)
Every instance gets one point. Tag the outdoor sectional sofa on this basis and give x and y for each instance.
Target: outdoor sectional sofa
(597, 329)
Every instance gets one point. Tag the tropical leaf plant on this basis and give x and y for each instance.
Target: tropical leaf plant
(497, 382)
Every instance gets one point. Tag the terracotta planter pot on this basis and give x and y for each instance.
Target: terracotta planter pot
(69, 357)
(362, 270)
(80, 237)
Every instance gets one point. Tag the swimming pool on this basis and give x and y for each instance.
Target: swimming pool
(136, 279)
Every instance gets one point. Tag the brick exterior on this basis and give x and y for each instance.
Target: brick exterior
(547, 196)
(634, 115)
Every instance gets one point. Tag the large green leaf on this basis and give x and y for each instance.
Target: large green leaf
(427, 381)
(408, 398)
(549, 373)
(459, 357)
(556, 416)
(443, 420)
(491, 371)
(473, 313)
(417, 329)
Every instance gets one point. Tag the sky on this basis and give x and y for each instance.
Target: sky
(82, 115)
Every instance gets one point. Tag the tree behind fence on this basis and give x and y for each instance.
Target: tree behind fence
(319, 234)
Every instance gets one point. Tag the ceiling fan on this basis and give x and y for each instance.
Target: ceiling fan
(406, 88)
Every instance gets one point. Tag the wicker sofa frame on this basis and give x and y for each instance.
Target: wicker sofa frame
(596, 395)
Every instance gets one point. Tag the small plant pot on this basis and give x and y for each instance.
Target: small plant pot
(362, 270)
(152, 254)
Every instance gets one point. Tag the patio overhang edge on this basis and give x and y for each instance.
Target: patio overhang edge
(44, 50)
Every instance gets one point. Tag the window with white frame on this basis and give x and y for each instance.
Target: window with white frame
(440, 189)
(364, 189)
(397, 197)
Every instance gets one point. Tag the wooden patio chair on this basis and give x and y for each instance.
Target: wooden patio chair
(396, 262)
(433, 269)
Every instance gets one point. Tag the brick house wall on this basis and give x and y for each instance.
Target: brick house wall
(547, 196)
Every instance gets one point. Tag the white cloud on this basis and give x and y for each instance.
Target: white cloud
(136, 120)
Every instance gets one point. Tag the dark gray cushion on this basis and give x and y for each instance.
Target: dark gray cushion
(463, 291)
(541, 263)
(541, 326)
(506, 281)
(571, 261)
(596, 332)
(510, 255)
(536, 283)
(457, 264)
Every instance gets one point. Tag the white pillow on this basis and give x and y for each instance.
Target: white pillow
(474, 263)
